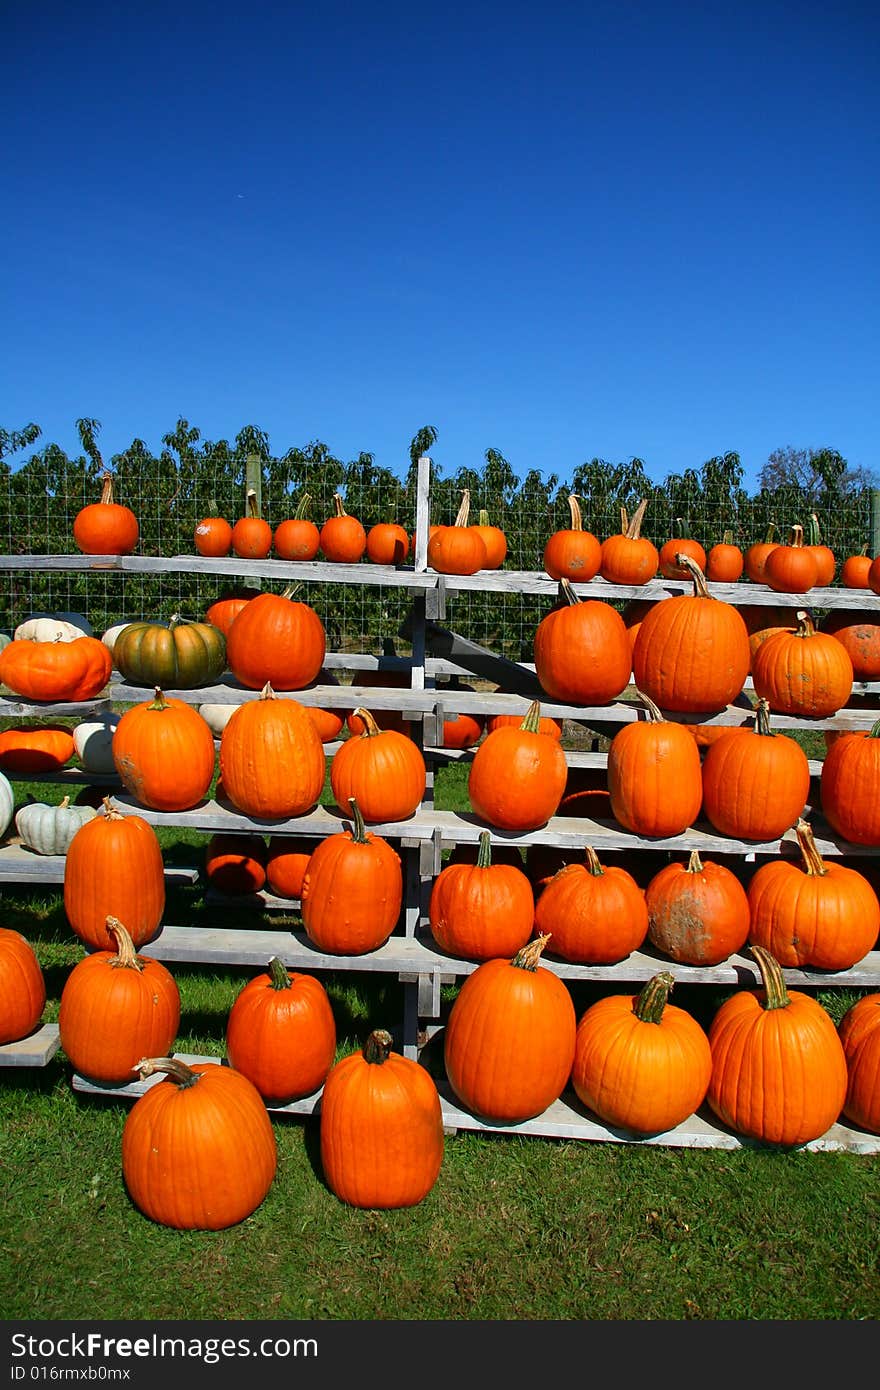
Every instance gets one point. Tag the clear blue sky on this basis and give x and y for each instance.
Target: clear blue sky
(561, 230)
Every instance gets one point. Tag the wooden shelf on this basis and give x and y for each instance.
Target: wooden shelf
(36, 1050)
(21, 865)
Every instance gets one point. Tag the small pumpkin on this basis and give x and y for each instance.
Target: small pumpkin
(826, 561)
(629, 557)
(592, 913)
(281, 1033)
(387, 543)
(251, 534)
(352, 892)
(756, 554)
(698, 912)
(493, 538)
(855, 568)
(164, 753)
(518, 775)
(36, 748)
(483, 909)
(792, 568)
(380, 768)
(725, 561)
(343, 538)
(182, 656)
(381, 1127)
(22, 987)
(859, 1033)
(572, 552)
(106, 527)
(680, 544)
(459, 548)
(213, 536)
(235, 862)
(49, 829)
(297, 537)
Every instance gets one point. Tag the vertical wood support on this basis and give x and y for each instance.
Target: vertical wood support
(253, 482)
(875, 521)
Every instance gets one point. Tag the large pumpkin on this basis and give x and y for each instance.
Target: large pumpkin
(778, 1065)
(163, 751)
(281, 1033)
(755, 781)
(352, 891)
(698, 912)
(581, 649)
(509, 1041)
(272, 761)
(114, 868)
(654, 776)
(198, 1149)
(849, 785)
(802, 672)
(181, 656)
(641, 1063)
(517, 775)
(691, 653)
(383, 770)
(117, 1007)
(859, 1032)
(572, 552)
(593, 913)
(56, 672)
(483, 909)
(105, 527)
(381, 1128)
(275, 639)
(22, 987)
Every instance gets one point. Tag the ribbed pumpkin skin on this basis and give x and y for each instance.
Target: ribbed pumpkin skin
(582, 653)
(22, 987)
(481, 910)
(56, 671)
(778, 1074)
(223, 610)
(115, 1008)
(724, 563)
(381, 769)
(755, 784)
(859, 1032)
(640, 1075)
(803, 672)
(381, 1128)
(282, 1037)
(595, 914)
(691, 654)
(698, 913)
(271, 758)
(163, 751)
(849, 786)
(457, 549)
(517, 778)
(352, 893)
(235, 862)
(277, 640)
(114, 868)
(509, 1041)
(654, 778)
(201, 1156)
(826, 917)
(181, 656)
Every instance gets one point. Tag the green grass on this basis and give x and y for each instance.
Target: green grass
(515, 1228)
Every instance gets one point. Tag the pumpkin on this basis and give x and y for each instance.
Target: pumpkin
(654, 775)
(287, 860)
(271, 759)
(342, 538)
(859, 634)
(297, 537)
(22, 987)
(461, 730)
(725, 561)
(36, 748)
(763, 621)
(7, 803)
(633, 613)
(198, 1149)
(105, 527)
(328, 723)
(56, 672)
(459, 548)
(276, 639)
(582, 652)
(164, 753)
(572, 552)
(791, 568)
(826, 562)
(281, 1033)
(182, 656)
(805, 672)
(352, 891)
(755, 781)
(640, 1063)
(698, 912)
(93, 742)
(51, 628)
(629, 557)
(110, 635)
(691, 654)
(494, 540)
(546, 725)
(49, 829)
(115, 1007)
(592, 913)
(213, 536)
(508, 1045)
(849, 786)
(859, 1033)
(382, 769)
(114, 868)
(251, 534)
(222, 611)
(481, 910)
(381, 1127)
(681, 544)
(217, 716)
(815, 912)
(235, 862)
(387, 543)
(778, 1065)
(755, 557)
(855, 569)
(517, 775)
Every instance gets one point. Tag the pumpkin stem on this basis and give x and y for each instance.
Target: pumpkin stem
(359, 831)
(158, 701)
(464, 510)
(278, 973)
(805, 625)
(634, 530)
(577, 521)
(566, 591)
(252, 509)
(371, 728)
(109, 810)
(528, 956)
(107, 488)
(687, 562)
(126, 957)
(180, 1073)
(302, 510)
(651, 1002)
(695, 863)
(484, 853)
(593, 863)
(776, 994)
(484, 517)
(624, 521)
(762, 718)
(531, 722)
(64, 803)
(340, 509)
(267, 693)
(727, 538)
(796, 536)
(813, 861)
(655, 715)
(378, 1046)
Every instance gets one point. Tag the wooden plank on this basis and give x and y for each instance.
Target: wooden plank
(12, 707)
(35, 1050)
(300, 571)
(20, 865)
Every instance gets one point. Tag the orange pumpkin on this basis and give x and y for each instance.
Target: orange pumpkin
(383, 770)
(56, 672)
(859, 633)
(235, 862)
(22, 987)
(654, 775)
(849, 786)
(629, 557)
(802, 672)
(481, 910)
(271, 758)
(297, 537)
(281, 1033)
(387, 543)
(352, 891)
(826, 562)
(593, 914)
(114, 868)
(517, 775)
(698, 912)
(572, 552)
(278, 640)
(106, 527)
(546, 725)
(251, 534)
(459, 548)
(855, 569)
(725, 561)
(342, 538)
(859, 1033)
(581, 649)
(755, 557)
(286, 863)
(222, 611)
(36, 748)
(163, 751)
(494, 539)
(669, 564)
(755, 781)
(213, 536)
(792, 568)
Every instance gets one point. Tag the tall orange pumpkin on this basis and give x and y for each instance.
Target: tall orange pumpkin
(582, 652)
(654, 776)
(352, 891)
(383, 770)
(859, 1033)
(276, 639)
(272, 760)
(163, 751)
(517, 775)
(114, 868)
(849, 786)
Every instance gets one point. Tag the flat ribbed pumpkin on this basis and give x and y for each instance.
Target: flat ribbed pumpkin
(581, 649)
(594, 914)
(698, 912)
(382, 769)
(691, 653)
(849, 786)
(654, 776)
(271, 757)
(56, 672)
(483, 909)
(518, 775)
(114, 868)
(755, 781)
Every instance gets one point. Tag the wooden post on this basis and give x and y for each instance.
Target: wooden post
(253, 482)
(423, 490)
(875, 521)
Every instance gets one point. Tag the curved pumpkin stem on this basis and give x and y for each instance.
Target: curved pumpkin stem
(340, 509)
(653, 998)
(727, 538)
(531, 722)
(268, 693)
(126, 956)
(593, 863)
(796, 536)
(813, 861)
(695, 863)
(464, 510)
(359, 830)
(701, 588)
(654, 713)
(109, 810)
(528, 956)
(378, 1047)
(574, 506)
(180, 1073)
(371, 728)
(771, 978)
(304, 507)
(279, 978)
(762, 718)
(566, 591)
(106, 489)
(805, 625)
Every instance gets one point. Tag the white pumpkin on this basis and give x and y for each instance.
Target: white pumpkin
(217, 716)
(78, 621)
(50, 829)
(46, 630)
(93, 741)
(110, 636)
(7, 803)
